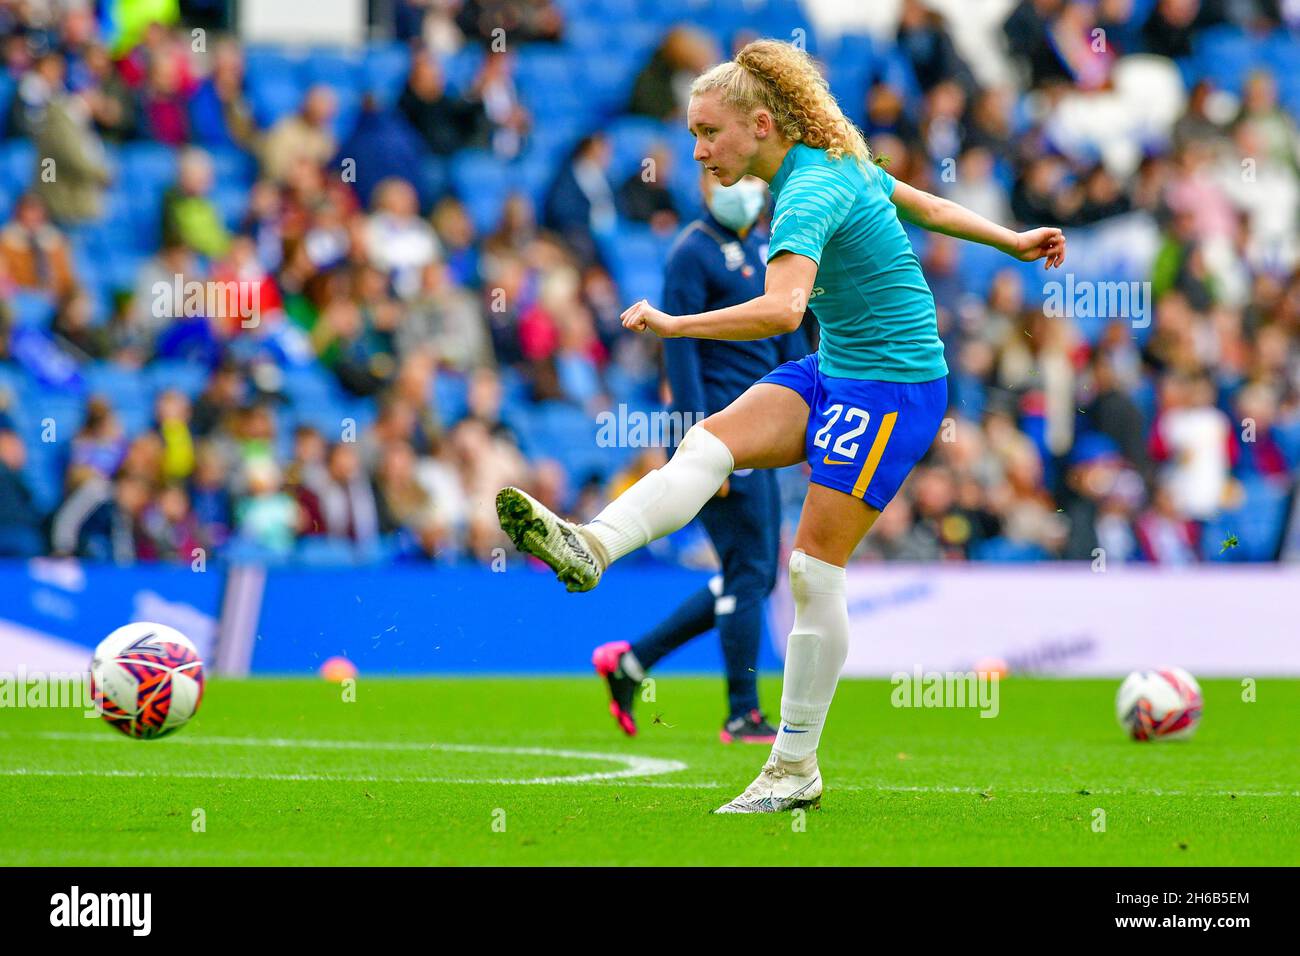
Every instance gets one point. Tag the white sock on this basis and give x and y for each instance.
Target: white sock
(664, 500)
(814, 655)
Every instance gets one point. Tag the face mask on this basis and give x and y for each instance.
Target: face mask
(738, 205)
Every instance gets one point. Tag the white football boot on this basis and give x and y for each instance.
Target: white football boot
(538, 531)
(780, 787)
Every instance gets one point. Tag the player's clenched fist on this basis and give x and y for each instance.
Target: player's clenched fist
(643, 317)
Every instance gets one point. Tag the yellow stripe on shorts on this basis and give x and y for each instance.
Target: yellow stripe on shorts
(877, 452)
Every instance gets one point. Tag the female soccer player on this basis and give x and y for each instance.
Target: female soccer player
(862, 410)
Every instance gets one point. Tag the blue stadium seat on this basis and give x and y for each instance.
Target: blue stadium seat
(261, 62)
(163, 374)
(118, 383)
(631, 139)
(385, 71)
(17, 164)
(231, 201)
(1226, 54)
(1006, 551)
(233, 167)
(322, 552)
(273, 96)
(337, 68)
(239, 550)
(461, 67)
(7, 87)
(451, 397)
(309, 385)
(1257, 525)
(146, 165)
(32, 307)
(482, 181)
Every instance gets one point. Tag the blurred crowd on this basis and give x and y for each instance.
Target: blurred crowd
(1061, 440)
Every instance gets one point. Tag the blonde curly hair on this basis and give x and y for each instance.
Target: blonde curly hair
(785, 81)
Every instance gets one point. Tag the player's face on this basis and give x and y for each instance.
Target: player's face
(724, 138)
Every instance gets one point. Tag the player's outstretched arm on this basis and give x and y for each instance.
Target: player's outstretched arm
(944, 216)
(778, 310)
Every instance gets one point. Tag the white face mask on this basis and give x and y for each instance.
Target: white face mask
(738, 205)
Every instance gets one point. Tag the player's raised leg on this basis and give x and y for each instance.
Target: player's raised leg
(764, 428)
(830, 527)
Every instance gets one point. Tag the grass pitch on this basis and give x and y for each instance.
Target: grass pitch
(525, 771)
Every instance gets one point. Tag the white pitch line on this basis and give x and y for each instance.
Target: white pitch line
(634, 765)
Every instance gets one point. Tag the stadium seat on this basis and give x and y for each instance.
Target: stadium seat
(233, 167)
(147, 165)
(384, 71)
(482, 181)
(1007, 551)
(273, 96)
(164, 374)
(17, 165)
(117, 382)
(309, 385)
(263, 61)
(1252, 531)
(336, 68)
(451, 397)
(461, 67)
(32, 307)
(1226, 54)
(322, 552)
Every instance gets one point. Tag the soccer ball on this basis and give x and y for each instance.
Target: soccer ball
(146, 680)
(1159, 705)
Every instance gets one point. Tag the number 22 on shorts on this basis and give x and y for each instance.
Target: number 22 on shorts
(844, 446)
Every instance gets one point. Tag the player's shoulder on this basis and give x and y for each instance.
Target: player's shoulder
(813, 172)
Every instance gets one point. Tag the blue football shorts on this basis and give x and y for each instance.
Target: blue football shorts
(864, 435)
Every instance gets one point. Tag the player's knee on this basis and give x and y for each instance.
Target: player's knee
(700, 444)
(811, 577)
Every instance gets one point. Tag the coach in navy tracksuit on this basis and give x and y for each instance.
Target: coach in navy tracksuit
(718, 261)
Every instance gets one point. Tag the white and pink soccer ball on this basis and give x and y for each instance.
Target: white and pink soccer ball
(1162, 704)
(146, 680)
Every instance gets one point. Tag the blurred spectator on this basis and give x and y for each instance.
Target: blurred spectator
(445, 121)
(449, 319)
(68, 143)
(924, 39)
(580, 205)
(220, 114)
(522, 21)
(307, 134)
(20, 519)
(100, 519)
(164, 108)
(645, 196)
(190, 218)
(662, 88)
(1193, 441)
(33, 252)
(398, 242)
(267, 516)
(37, 89)
(508, 121)
(381, 148)
(347, 501)
(114, 105)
